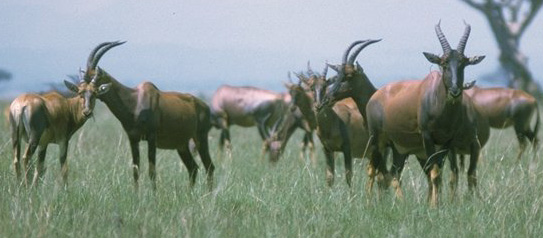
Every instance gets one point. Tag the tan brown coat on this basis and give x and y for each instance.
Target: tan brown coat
(41, 120)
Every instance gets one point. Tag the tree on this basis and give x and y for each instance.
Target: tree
(508, 20)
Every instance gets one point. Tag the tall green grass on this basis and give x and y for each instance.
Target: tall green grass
(253, 198)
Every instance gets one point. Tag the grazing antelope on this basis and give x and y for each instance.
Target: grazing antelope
(419, 117)
(44, 119)
(280, 135)
(509, 107)
(294, 118)
(166, 120)
(247, 107)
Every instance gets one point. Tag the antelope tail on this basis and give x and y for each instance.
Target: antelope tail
(24, 121)
(19, 121)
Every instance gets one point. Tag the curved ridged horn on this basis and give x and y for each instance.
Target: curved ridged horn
(334, 67)
(346, 54)
(81, 75)
(357, 51)
(464, 39)
(442, 40)
(325, 71)
(96, 74)
(93, 53)
(102, 52)
(301, 77)
(309, 70)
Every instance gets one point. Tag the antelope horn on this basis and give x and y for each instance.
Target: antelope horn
(81, 75)
(325, 71)
(333, 67)
(357, 51)
(289, 77)
(93, 53)
(103, 51)
(442, 39)
(346, 54)
(302, 78)
(464, 39)
(309, 70)
(96, 74)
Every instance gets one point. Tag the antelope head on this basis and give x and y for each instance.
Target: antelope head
(351, 79)
(453, 62)
(86, 93)
(317, 84)
(97, 79)
(275, 143)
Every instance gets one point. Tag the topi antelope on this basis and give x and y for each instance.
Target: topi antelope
(166, 120)
(352, 82)
(509, 107)
(44, 119)
(279, 137)
(247, 107)
(420, 117)
(294, 118)
(340, 126)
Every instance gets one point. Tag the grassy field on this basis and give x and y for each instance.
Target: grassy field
(252, 198)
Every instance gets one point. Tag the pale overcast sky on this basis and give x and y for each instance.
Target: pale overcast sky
(194, 46)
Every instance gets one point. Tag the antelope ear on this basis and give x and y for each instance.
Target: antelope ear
(476, 59)
(432, 57)
(469, 85)
(358, 67)
(333, 67)
(71, 86)
(288, 85)
(104, 88)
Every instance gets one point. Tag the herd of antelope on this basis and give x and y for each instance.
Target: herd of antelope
(435, 118)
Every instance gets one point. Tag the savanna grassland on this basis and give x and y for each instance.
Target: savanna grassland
(252, 198)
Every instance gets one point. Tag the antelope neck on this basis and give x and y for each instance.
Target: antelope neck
(119, 100)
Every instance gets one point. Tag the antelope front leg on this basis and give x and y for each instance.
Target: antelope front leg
(472, 170)
(134, 147)
(453, 183)
(434, 178)
(152, 160)
(330, 167)
(63, 162)
(312, 154)
(431, 168)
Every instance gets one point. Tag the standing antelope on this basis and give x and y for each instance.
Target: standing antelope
(44, 119)
(418, 117)
(247, 107)
(509, 107)
(339, 126)
(166, 120)
(352, 82)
